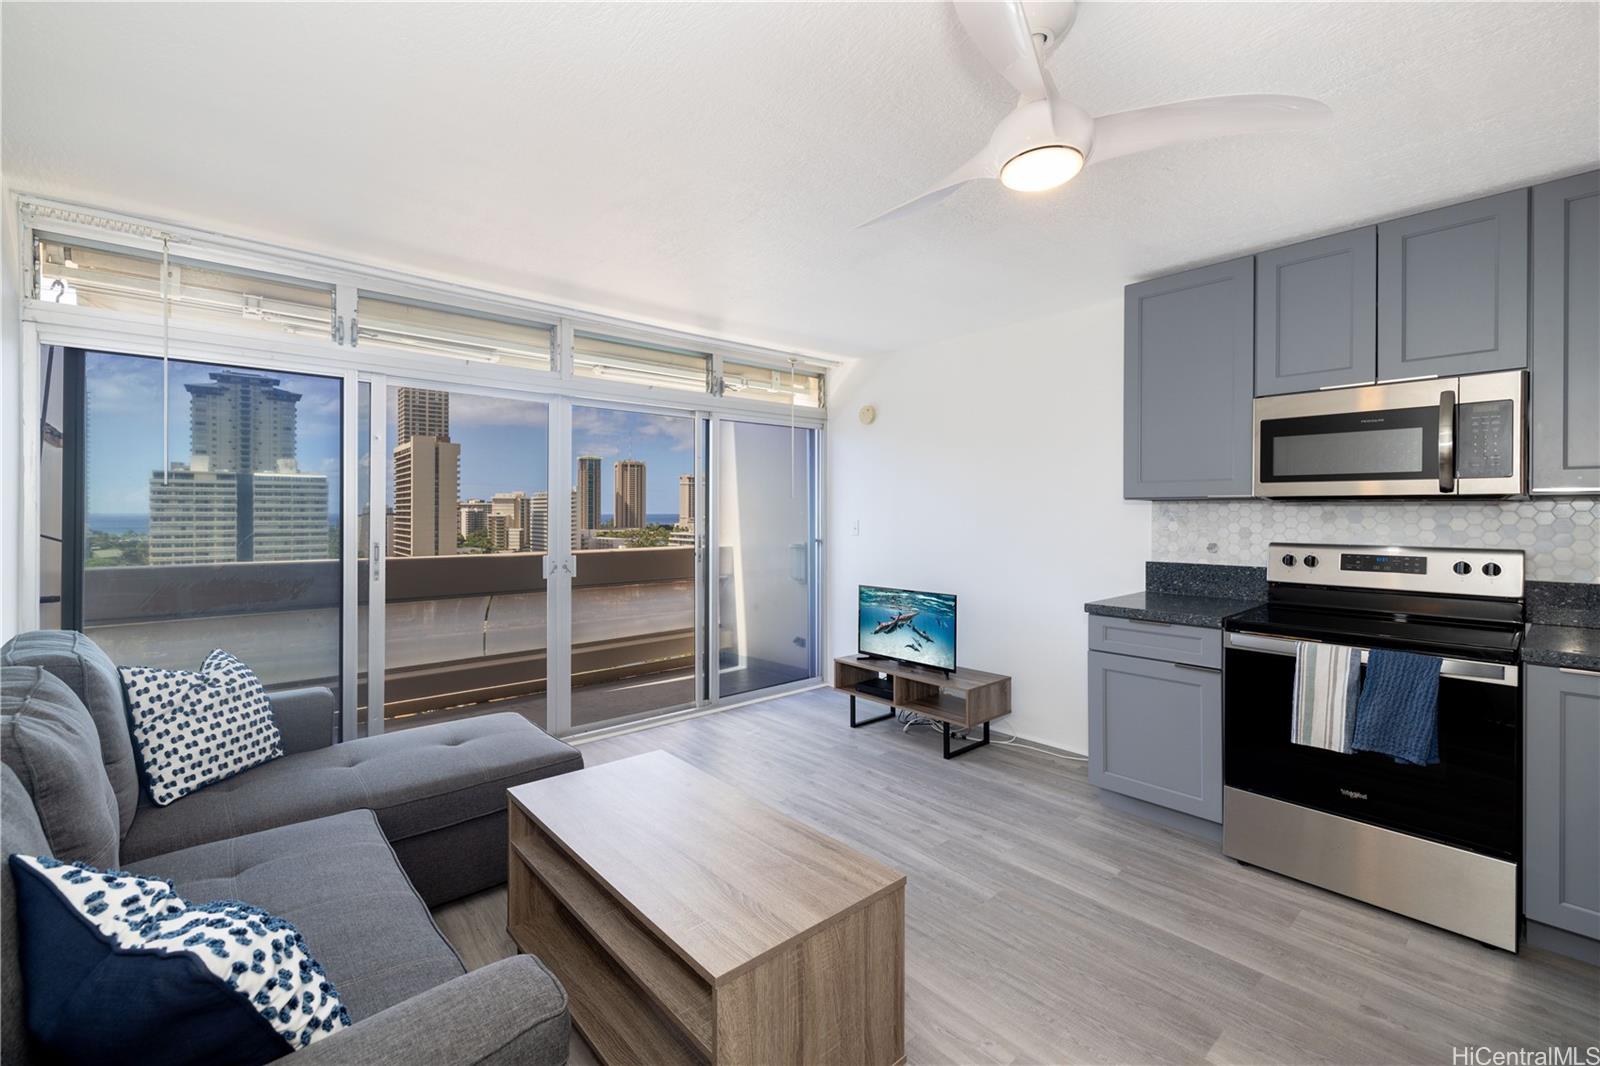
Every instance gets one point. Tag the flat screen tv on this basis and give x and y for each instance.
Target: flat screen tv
(913, 627)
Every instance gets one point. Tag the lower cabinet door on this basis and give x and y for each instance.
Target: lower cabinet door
(1561, 808)
(1155, 732)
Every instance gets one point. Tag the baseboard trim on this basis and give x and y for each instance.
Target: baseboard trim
(1572, 945)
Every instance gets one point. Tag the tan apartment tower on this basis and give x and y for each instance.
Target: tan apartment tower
(685, 501)
(427, 475)
(628, 483)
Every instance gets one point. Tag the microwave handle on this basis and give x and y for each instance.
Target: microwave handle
(1447, 440)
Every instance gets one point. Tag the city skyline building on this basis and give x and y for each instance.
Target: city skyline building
(686, 501)
(427, 475)
(241, 496)
(628, 481)
(422, 413)
(473, 515)
(588, 489)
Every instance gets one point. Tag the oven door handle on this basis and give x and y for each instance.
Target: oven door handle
(1459, 669)
(1447, 440)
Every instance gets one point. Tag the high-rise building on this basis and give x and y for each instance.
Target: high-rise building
(427, 475)
(686, 501)
(503, 536)
(539, 522)
(241, 496)
(422, 413)
(517, 507)
(473, 514)
(628, 483)
(241, 422)
(588, 493)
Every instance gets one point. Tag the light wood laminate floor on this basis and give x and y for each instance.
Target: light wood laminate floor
(1042, 927)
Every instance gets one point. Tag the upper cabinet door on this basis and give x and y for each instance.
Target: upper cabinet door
(1317, 314)
(1188, 362)
(1453, 289)
(1566, 335)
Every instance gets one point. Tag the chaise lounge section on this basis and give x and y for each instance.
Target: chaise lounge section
(351, 843)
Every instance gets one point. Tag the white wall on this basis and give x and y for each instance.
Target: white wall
(994, 471)
(11, 442)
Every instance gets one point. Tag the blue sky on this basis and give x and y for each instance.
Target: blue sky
(504, 441)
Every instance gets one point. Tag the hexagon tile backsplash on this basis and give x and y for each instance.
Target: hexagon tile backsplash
(1561, 535)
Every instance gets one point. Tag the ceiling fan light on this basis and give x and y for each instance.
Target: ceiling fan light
(1039, 169)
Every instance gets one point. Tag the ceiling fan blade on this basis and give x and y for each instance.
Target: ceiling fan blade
(1127, 132)
(1000, 30)
(979, 168)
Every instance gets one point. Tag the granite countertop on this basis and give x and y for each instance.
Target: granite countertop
(1189, 594)
(1571, 646)
(1171, 608)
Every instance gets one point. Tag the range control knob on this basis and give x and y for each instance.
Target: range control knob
(1492, 569)
(1310, 560)
(1463, 568)
(1288, 560)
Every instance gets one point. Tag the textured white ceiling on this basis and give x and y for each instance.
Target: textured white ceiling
(705, 165)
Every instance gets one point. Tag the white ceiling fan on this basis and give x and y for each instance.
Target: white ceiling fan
(1046, 141)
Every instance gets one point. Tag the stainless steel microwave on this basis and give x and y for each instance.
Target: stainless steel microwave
(1463, 436)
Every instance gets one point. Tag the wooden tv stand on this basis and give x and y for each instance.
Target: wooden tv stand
(960, 700)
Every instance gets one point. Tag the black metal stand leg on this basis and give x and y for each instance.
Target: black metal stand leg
(854, 724)
(948, 754)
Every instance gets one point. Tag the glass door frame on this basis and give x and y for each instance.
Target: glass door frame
(557, 659)
(711, 501)
(562, 572)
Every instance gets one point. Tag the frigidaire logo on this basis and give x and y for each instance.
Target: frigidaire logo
(1348, 794)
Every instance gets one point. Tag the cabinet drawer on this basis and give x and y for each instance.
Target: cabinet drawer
(1156, 640)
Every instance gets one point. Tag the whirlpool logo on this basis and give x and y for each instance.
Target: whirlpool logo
(1348, 793)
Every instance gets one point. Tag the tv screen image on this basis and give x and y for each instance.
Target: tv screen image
(914, 627)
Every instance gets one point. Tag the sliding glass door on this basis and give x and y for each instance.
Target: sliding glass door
(460, 555)
(198, 506)
(636, 482)
(766, 581)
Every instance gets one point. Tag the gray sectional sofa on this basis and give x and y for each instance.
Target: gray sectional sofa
(351, 842)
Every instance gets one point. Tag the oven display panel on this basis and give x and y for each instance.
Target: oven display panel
(1384, 564)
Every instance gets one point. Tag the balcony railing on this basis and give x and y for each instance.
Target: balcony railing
(459, 629)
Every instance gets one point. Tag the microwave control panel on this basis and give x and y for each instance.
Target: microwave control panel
(1485, 439)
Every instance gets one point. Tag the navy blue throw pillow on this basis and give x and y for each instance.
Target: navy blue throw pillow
(118, 967)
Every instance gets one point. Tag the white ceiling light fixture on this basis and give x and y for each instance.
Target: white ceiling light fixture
(1046, 141)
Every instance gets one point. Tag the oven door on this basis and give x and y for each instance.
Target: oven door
(1380, 440)
(1472, 798)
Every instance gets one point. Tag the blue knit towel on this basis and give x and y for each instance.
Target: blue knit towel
(1398, 712)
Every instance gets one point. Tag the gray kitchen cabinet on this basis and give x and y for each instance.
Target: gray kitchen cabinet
(1155, 732)
(1188, 366)
(1566, 335)
(1561, 808)
(1317, 313)
(1453, 289)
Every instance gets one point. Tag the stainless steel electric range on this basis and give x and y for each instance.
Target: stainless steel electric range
(1438, 843)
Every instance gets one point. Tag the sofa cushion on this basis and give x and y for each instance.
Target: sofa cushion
(89, 672)
(114, 961)
(20, 831)
(195, 729)
(417, 780)
(337, 880)
(48, 740)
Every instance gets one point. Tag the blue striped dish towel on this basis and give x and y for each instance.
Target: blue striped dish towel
(1398, 713)
(1326, 678)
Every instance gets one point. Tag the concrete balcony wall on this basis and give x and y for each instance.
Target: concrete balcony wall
(459, 629)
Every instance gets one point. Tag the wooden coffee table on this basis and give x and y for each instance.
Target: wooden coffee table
(690, 923)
